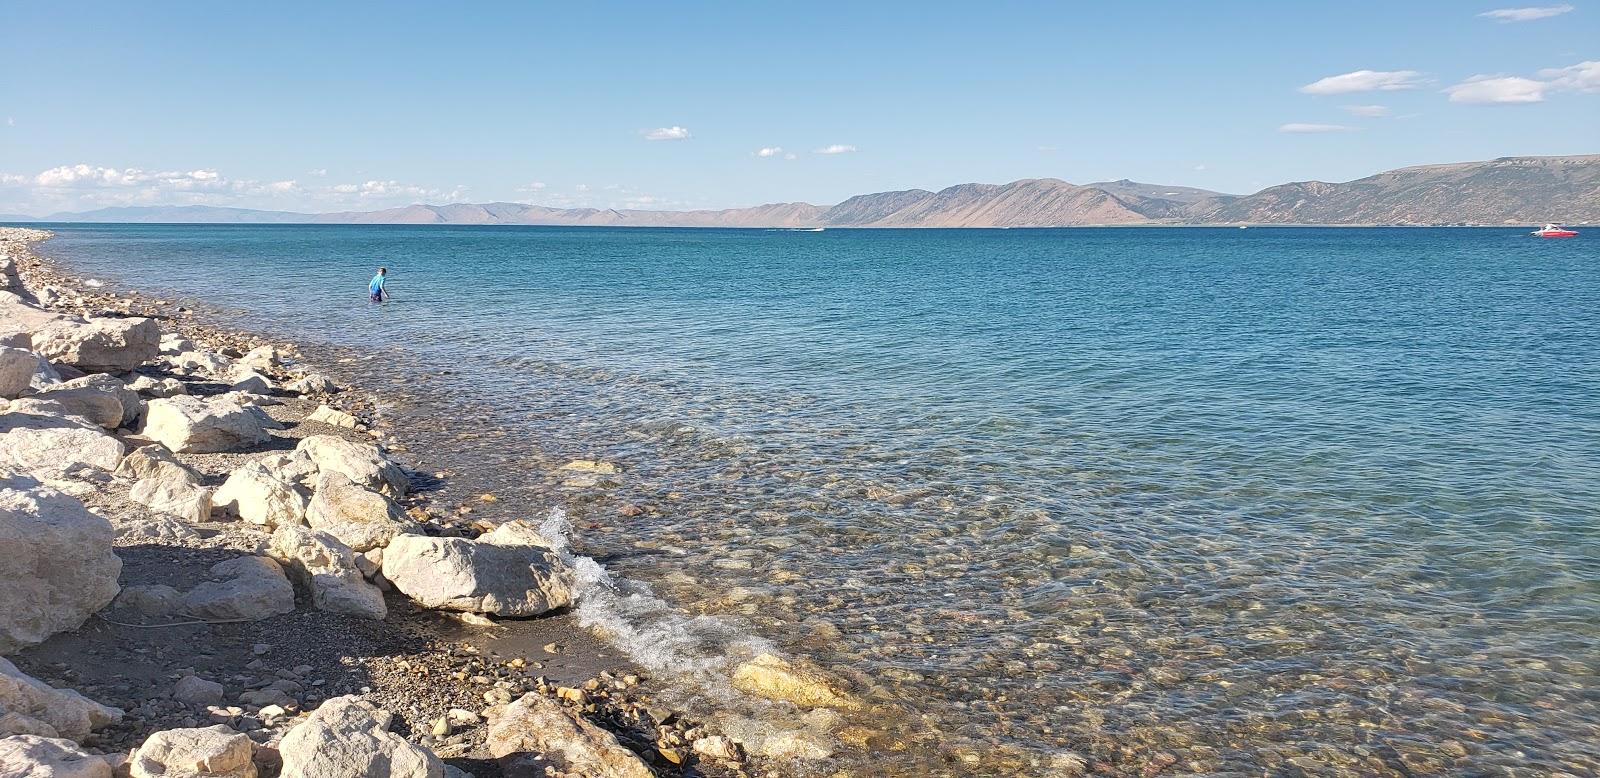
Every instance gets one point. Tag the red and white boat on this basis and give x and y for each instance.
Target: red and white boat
(1554, 231)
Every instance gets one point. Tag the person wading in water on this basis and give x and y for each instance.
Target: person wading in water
(375, 289)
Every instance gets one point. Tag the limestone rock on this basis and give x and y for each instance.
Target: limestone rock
(196, 362)
(21, 371)
(253, 493)
(212, 752)
(62, 712)
(192, 425)
(160, 531)
(348, 738)
(158, 387)
(361, 519)
(718, 747)
(537, 724)
(592, 466)
(250, 587)
(173, 343)
(314, 383)
(31, 756)
(327, 568)
(477, 576)
(40, 438)
(100, 345)
(57, 566)
(776, 678)
(246, 380)
(334, 417)
(90, 393)
(149, 599)
(264, 359)
(165, 484)
(361, 463)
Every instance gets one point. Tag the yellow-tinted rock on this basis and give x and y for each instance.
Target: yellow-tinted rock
(776, 678)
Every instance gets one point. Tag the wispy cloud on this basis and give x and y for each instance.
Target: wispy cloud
(1365, 81)
(667, 133)
(1305, 128)
(535, 186)
(1368, 111)
(318, 172)
(1506, 15)
(769, 151)
(76, 187)
(837, 148)
(1582, 77)
(1497, 90)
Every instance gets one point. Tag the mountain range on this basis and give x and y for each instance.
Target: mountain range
(1509, 190)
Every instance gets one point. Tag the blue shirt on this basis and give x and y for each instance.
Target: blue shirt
(377, 284)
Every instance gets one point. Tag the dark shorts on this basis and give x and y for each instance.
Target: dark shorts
(376, 297)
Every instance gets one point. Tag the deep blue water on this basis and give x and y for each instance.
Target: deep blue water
(1245, 496)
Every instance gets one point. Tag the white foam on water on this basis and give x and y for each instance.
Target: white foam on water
(647, 628)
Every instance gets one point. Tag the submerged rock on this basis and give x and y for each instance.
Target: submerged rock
(57, 566)
(776, 678)
(538, 725)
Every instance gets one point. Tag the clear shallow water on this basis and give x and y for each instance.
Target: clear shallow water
(1262, 501)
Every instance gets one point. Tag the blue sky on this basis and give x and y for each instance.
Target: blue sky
(328, 106)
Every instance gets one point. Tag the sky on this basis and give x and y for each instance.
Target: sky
(351, 106)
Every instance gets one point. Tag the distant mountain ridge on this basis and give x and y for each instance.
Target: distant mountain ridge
(1509, 190)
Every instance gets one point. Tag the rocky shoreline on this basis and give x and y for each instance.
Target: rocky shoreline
(217, 565)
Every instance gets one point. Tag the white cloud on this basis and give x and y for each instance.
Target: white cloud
(837, 148)
(667, 133)
(11, 121)
(1199, 167)
(790, 155)
(769, 151)
(582, 187)
(83, 186)
(318, 172)
(1365, 81)
(1302, 128)
(536, 186)
(1504, 15)
(1498, 90)
(1369, 111)
(1582, 77)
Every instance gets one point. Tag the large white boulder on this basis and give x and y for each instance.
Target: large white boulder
(360, 462)
(164, 484)
(32, 707)
(327, 568)
(100, 345)
(30, 756)
(22, 371)
(91, 392)
(203, 363)
(360, 518)
(212, 752)
(56, 563)
(505, 578)
(248, 588)
(255, 493)
(191, 425)
(349, 738)
(537, 724)
(40, 437)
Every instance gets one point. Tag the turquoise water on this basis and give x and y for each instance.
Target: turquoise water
(1265, 500)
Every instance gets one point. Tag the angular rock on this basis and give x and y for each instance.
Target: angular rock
(22, 371)
(212, 752)
(160, 531)
(61, 712)
(57, 566)
(100, 345)
(255, 494)
(477, 576)
(165, 484)
(263, 359)
(776, 678)
(31, 756)
(328, 570)
(40, 438)
(348, 738)
(173, 343)
(192, 425)
(158, 387)
(149, 599)
(198, 362)
(313, 383)
(539, 725)
(251, 588)
(361, 463)
(249, 381)
(359, 518)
